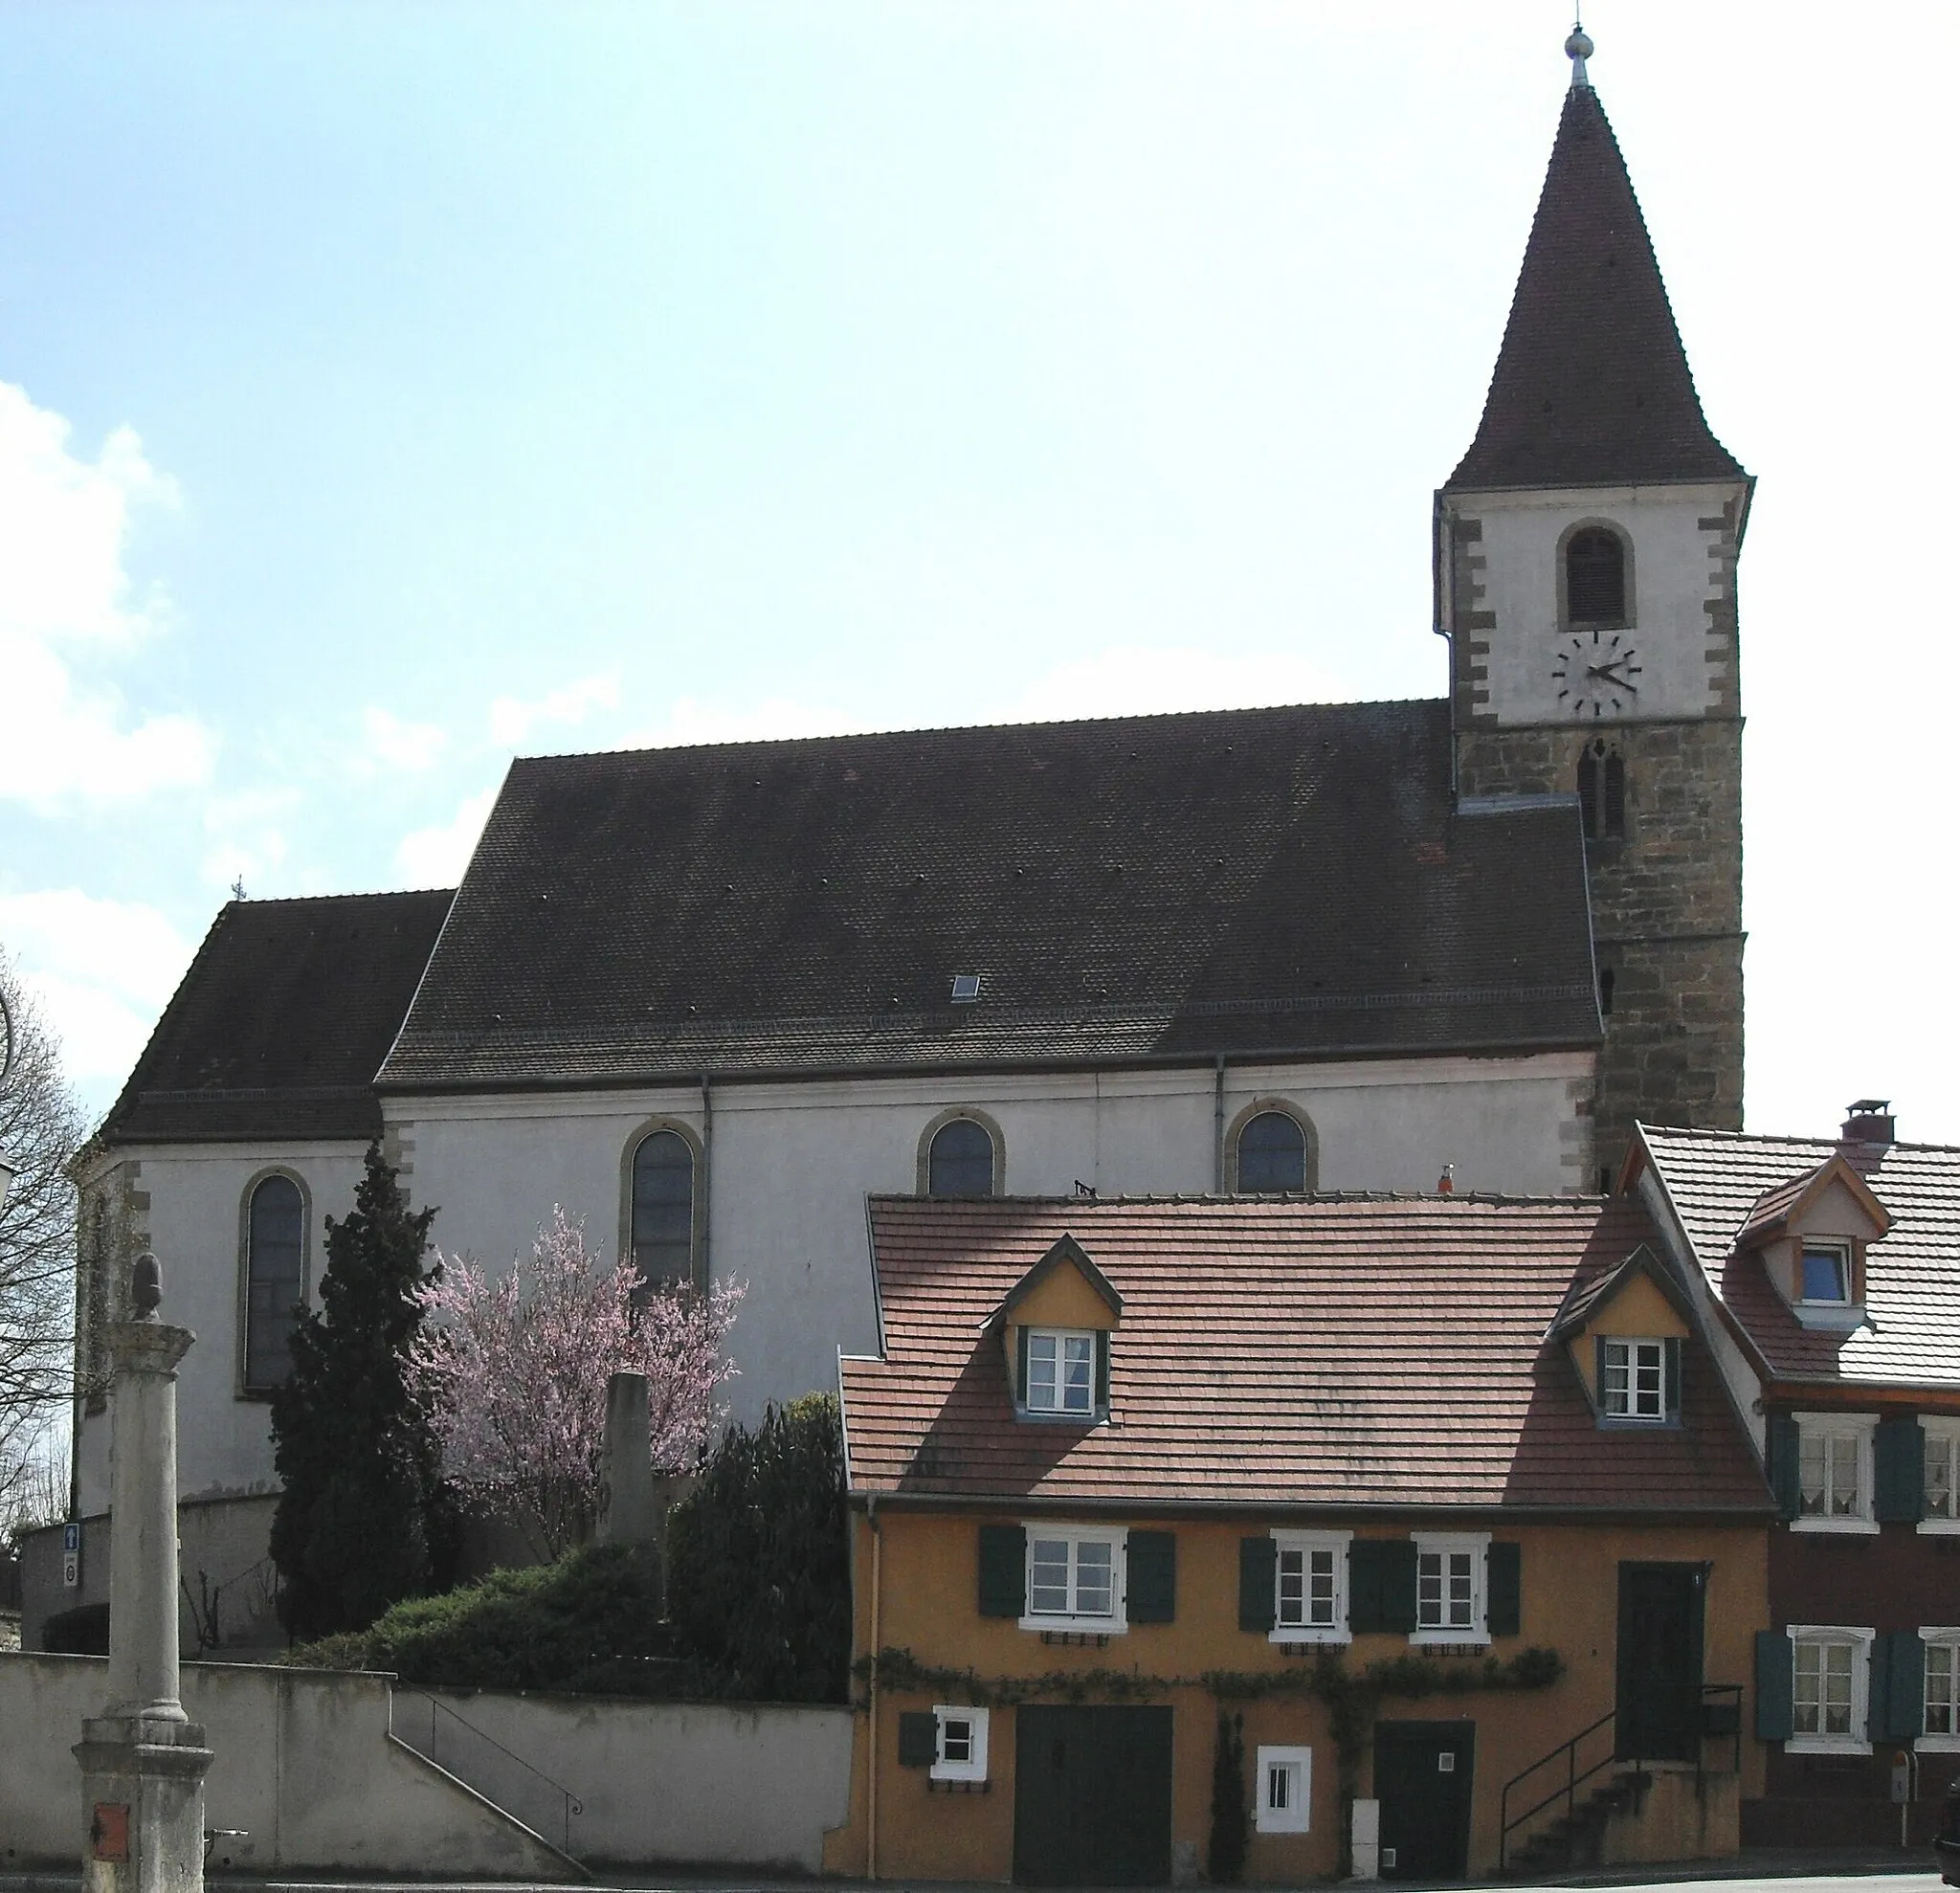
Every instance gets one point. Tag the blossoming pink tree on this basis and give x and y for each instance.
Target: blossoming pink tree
(514, 1373)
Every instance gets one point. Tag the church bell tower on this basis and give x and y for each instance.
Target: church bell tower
(1585, 562)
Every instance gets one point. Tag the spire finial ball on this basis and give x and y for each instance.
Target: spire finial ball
(1580, 44)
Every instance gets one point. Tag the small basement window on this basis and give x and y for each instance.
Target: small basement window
(1285, 1788)
(962, 1746)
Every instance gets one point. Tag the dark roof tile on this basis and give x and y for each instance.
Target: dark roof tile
(281, 1024)
(1591, 385)
(1144, 887)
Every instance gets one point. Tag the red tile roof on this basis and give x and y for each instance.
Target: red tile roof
(1330, 1351)
(1716, 1179)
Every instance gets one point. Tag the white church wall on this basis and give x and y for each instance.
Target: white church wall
(194, 1224)
(790, 1165)
(1670, 579)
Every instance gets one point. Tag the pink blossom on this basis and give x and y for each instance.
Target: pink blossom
(514, 1374)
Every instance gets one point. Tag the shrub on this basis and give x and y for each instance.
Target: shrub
(759, 1581)
(590, 1622)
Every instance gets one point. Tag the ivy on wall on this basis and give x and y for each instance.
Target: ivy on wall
(1354, 1696)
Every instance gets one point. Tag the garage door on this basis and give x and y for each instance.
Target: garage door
(1092, 1796)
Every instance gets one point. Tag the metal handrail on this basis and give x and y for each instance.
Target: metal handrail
(1577, 1777)
(572, 1804)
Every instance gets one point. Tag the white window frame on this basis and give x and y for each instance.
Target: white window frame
(1863, 1427)
(974, 1767)
(1117, 1538)
(1858, 1740)
(1062, 1337)
(1658, 1416)
(1941, 1432)
(1296, 1765)
(1443, 1544)
(1945, 1636)
(1306, 1544)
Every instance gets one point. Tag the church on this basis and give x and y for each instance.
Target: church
(712, 999)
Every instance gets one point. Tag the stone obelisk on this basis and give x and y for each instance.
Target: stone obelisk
(143, 1760)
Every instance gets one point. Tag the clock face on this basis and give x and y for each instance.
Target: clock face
(1596, 674)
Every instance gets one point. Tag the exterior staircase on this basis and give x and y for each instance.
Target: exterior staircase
(1572, 1839)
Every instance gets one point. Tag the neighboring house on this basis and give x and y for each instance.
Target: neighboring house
(1834, 1266)
(1119, 1466)
(711, 998)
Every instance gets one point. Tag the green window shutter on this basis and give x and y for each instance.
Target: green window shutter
(1898, 1686)
(1899, 1460)
(1670, 1377)
(1775, 1686)
(1364, 1585)
(1505, 1583)
(1784, 1447)
(1020, 1367)
(1258, 1563)
(1003, 1571)
(1398, 1585)
(1599, 1376)
(1101, 1370)
(1152, 1577)
(918, 1739)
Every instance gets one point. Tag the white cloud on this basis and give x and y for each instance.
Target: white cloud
(392, 744)
(64, 595)
(1124, 681)
(249, 838)
(436, 856)
(103, 971)
(513, 719)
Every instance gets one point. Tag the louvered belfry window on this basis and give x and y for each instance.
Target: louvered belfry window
(1595, 577)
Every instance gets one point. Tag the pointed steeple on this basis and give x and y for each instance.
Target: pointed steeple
(1592, 387)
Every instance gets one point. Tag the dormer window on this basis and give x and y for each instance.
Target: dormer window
(1061, 1371)
(1826, 1273)
(1639, 1380)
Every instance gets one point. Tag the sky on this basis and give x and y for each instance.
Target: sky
(386, 390)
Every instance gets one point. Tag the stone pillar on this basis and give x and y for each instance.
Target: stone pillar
(143, 1760)
(629, 1513)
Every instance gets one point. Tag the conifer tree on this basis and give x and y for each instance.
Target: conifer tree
(361, 1521)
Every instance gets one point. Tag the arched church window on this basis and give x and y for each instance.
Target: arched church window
(1595, 577)
(1272, 1155)
(959, 1161)
(1602, 791)
(275, 1280)
(662, 1232)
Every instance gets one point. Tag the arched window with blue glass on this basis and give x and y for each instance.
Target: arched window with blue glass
(961, 1157)
(1273, 1152)
(275, 1278)
(661, 1216)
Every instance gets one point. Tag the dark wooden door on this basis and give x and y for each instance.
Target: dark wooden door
(1659, 1671)
(1423, 1772)
(1092, 1796)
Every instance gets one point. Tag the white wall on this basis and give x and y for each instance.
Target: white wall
(194, 1222)
(791, 1167)
(706, 1784)
(791, 1164)
(302, 1761)
(1672, 579)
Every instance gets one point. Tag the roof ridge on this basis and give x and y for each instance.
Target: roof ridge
(743, 745)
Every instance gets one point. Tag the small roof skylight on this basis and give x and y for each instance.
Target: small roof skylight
(965, 988)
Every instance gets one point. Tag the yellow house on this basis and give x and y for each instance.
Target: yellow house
(1324, 1535)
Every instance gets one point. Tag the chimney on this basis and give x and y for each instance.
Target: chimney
(1870, 1121)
